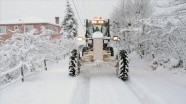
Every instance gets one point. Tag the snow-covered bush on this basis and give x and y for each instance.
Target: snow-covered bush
(157, 37)
(161, 39)
(165, 62)
(29, 51)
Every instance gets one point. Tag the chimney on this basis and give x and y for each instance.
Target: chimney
(57, 20)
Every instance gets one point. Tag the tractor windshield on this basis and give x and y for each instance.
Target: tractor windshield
(97, 27)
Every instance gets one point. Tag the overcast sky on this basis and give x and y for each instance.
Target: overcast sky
(48, 9)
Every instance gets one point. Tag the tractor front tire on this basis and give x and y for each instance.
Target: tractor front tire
(123, 65)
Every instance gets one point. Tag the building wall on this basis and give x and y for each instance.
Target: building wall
(37, 26)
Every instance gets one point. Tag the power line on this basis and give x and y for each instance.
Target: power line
(80, 11)
(90, 10)
(84, 8)
(78, 15)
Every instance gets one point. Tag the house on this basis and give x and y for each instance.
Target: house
(26, 25)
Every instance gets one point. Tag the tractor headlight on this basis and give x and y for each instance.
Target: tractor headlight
(116, 38)
(100, 22)
(79, 39)
(94, 22)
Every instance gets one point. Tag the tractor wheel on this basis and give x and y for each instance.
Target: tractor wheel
(73, 63)
(123, 65)
(111, 50)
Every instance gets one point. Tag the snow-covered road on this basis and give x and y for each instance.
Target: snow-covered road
(99, 85)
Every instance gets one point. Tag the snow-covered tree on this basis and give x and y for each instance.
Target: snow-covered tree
(128, 12)
(125, 16)
(176, 8)
(69, 24)
(160, 38)
(29, 51)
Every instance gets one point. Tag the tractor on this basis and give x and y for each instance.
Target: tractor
(98, 49)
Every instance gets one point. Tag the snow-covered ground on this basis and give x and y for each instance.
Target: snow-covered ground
(99, 85)
(48, 87)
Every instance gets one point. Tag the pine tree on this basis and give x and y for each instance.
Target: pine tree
(69, 24)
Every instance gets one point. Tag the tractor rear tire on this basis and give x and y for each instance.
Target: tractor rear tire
(123, 65)
(73, 63)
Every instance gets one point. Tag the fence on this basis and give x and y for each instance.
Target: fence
(18, 73)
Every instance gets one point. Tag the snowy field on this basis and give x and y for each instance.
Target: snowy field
(99, 85)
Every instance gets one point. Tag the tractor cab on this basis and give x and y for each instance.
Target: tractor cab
(97, 24)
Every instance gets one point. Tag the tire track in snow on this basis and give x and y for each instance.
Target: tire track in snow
(157, 90)
(82, 89)
(143, 93)
(101, 86)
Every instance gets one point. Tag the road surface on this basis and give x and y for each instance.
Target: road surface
(98, 84)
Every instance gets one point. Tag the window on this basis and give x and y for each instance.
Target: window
(2, 29)
(52, 28)
(28, 28)
(47, 27)
(15, 27)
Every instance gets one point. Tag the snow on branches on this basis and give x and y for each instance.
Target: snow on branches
(160, 38)
(129, 11)
(29, 51)
(69, 24)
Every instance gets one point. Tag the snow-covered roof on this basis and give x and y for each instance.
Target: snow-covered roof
(97, 35)
(26, 20)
